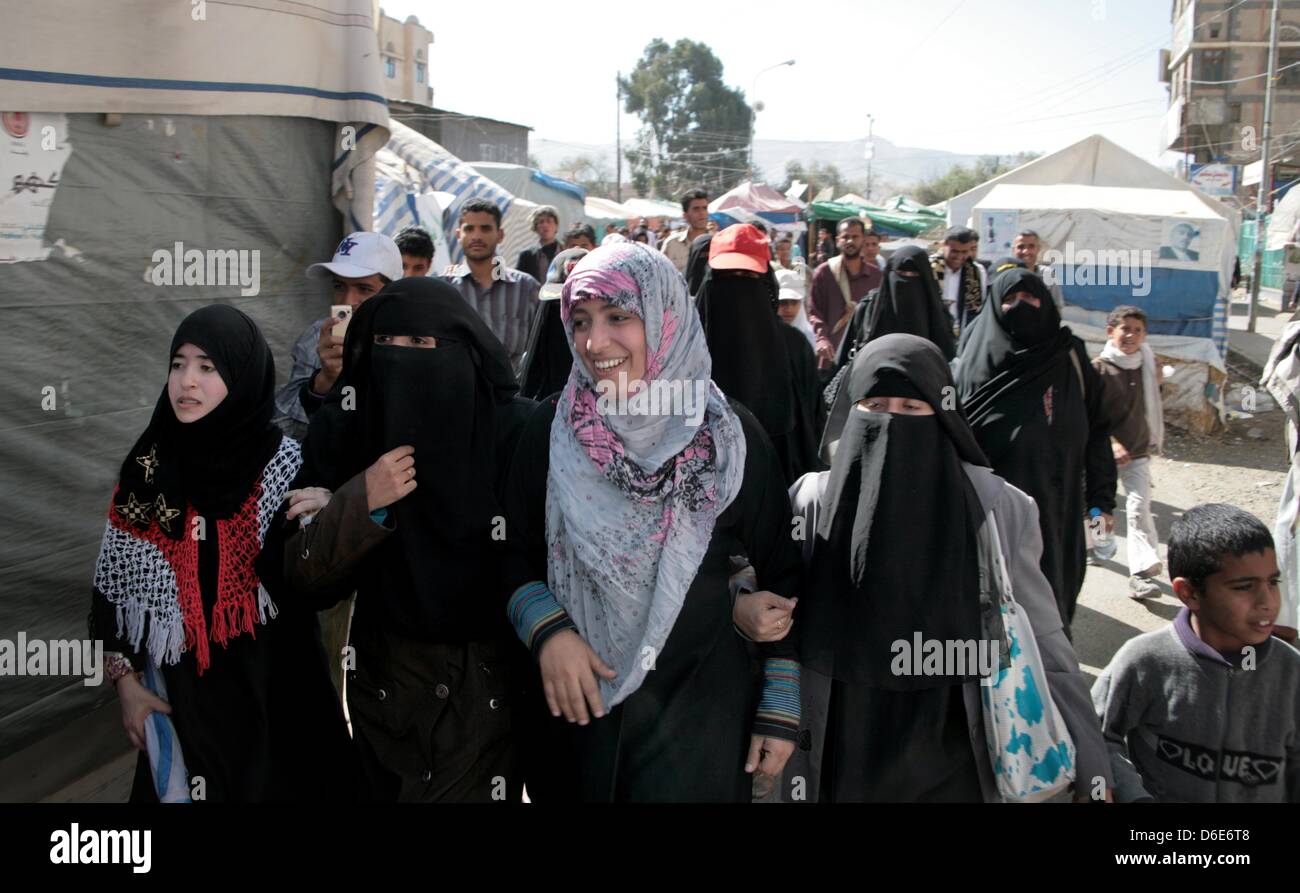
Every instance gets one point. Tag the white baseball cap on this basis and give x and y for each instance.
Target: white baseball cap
(360, 255)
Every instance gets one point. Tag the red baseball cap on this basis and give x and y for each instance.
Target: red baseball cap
(740, 247)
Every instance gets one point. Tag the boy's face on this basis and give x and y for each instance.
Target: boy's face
(1128, 335)
(1240, 601)
(414, 265)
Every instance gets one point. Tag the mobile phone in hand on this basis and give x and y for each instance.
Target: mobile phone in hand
(342, 314)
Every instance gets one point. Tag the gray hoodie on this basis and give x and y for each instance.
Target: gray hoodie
(1183, 724)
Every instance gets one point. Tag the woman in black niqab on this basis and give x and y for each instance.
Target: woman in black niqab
(444, 402)
(908, 302)
(1034, 403)
(896, 559)
(762, 362)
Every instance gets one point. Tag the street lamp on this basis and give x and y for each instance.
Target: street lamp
(758, 107)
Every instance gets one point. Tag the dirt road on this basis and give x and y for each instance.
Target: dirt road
(1244, 466)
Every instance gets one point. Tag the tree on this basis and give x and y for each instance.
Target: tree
(695, 129)
(959, 178)
(591, 172)
(818, 176)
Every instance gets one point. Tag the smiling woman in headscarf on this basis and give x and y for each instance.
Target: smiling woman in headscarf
(1035, 403)
(757, 359)
(191, 561)
(898, 555)
(425, 384)
(622, 519)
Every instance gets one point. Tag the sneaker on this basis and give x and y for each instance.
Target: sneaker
(1140, 587)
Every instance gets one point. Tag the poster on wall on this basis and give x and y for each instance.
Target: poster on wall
(1180, 240)
(997, 231)
(34, 148)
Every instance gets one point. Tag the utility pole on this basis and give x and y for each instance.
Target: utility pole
(871, 152)
(1265, 175)
(618, 137)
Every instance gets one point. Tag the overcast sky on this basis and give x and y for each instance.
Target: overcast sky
(969, 76)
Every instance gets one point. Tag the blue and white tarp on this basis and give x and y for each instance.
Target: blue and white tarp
(1166, 251)
(412, 168)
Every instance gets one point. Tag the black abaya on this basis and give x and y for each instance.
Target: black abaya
(1035, 404)
(684, 734)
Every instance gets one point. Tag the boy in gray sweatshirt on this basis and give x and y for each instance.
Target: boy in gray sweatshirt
(1207, 710)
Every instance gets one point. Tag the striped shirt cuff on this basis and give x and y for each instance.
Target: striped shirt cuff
(536, 615)
(778, 707)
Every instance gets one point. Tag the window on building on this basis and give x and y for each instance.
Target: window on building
(392, 67)
(1288, 76)
(1214, 65)
(1234, 113)
(1214, 30)
(419, 72)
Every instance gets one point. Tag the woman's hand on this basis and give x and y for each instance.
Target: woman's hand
(306, 502)
(764, 616)
(569, 669)
(768, 755)
(390, 478)
(137, 703)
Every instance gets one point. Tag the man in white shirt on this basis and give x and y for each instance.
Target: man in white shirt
(677, 247)
(962, 280)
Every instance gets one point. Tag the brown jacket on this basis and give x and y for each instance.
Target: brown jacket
(319, 560)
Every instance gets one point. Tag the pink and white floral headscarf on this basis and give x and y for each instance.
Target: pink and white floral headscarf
(631, 500)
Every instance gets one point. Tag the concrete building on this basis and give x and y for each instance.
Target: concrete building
(1216, 98)
(404, 51)
(468, 137)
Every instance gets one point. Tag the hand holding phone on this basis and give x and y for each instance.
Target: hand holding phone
(342, 313)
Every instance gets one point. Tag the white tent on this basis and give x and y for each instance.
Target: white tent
(1112, 245)
(1093, 161)
(1070, 218)
(1097, 162)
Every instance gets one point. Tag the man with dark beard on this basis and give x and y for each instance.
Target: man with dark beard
(1035, 404)
(837, 287)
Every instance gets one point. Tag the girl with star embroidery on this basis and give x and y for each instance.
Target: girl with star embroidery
(190, 562)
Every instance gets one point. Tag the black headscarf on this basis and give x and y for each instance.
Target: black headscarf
(896, 552)
(750, 361)
(911, 305)
(1034, 416)
(442, 401)
(1006, 351)
(547, 359)
(697, 263)
(211, 463)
